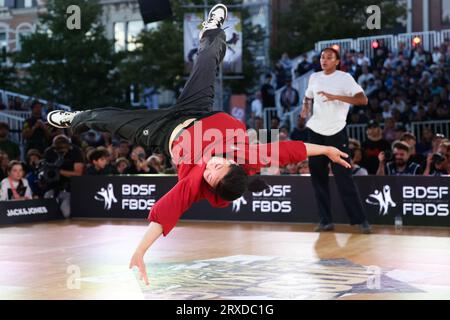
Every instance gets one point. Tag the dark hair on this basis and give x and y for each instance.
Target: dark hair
(236, 182)
(337, 54)
(233, 185)
(401, 145)
(97, 154)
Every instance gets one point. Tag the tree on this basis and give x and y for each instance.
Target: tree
(74, 67)
(310, 21)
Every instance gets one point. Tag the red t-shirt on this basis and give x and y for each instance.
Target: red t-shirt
(218, 134)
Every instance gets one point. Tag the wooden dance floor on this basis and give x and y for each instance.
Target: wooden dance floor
(88, 259)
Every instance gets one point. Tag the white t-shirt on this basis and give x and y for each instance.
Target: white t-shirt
(328, 118)
(6, 193)
(257, 108)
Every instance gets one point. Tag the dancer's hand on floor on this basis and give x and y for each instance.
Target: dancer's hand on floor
(137, 260)
(337, 156)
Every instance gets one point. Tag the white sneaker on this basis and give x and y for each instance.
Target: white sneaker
(216, 17)
(61, 119)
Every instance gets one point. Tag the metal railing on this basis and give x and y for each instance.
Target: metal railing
(428, 40)
(7, 96)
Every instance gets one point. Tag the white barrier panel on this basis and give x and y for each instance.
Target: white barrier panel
(15, 126)
(428, 39)
(442, 127)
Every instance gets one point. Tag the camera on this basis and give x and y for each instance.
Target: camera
(388, 155)
(48, 173)
(438, 158)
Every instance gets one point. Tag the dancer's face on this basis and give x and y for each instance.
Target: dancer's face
(329, 61)
(216, 169)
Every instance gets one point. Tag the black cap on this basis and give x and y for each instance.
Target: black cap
(373, 124)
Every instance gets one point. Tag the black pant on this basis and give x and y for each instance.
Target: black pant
(152, 128)
(347, 189)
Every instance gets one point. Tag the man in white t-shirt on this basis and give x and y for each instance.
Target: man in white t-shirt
(257, 106)
(333, 92)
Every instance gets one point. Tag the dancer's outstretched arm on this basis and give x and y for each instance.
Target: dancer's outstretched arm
(154, 231)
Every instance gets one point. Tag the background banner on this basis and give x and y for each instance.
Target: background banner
(232, 63)
(421, 201)
(26, 211)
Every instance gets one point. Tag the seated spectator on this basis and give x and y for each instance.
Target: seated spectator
(122, 165)
(438, 164)
(356, 156)
(6, 145)
(372, 147)
(15, 187)
(99, 162)
(34, 158)
(411, 140)
(400, 165)
(124, 149)
(389, 130)
(365, 76)
(300, 132)
(268, 92)
(290, 169)
(426, 141)
(303, 67)
(35, 131)
(156, 161)
(4, 161)
(257, 107)
(289, 97)
(139, 163)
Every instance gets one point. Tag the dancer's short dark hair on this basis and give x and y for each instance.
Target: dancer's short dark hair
(234, 184)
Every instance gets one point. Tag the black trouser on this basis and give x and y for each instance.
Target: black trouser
(152, 128)
(346, 187)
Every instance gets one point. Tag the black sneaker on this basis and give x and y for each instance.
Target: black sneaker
(216, 17)
(324, 227)
(61, 119)
(365, 227)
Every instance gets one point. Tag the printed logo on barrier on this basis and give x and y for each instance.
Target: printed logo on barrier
(107, 196)
(237, 204)
(277, 199)
(382, 199)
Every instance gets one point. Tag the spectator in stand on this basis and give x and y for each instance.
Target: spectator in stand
(400, 165)
(124, 149)
(372, 147)
(156, 161)
(257, 108)
(34, 158)
(280, 75)
(15, 187)
(289, 100)
(362, 59)
(438, 164)
(411, 140)
(122, 165)
(303, 67)
(3, 106)
(268, 93)
(300, 132)
(315, 64)
(356, 156)
(139, 163)
(286, 63)
(35, 131)
(426, 141)
(4, 161)
(389, 130)
(99, 162)
(365, 76)
(6, 145)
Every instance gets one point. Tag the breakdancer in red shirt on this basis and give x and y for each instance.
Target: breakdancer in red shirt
(211, 150)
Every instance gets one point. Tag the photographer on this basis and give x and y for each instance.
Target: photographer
(34, 158)
(62, 161)
(438, 164)
(400, 164)
(139, 164)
